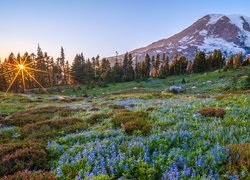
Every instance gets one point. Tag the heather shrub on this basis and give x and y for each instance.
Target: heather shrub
(8, 133)
(20, 157)
(45, 130)
(213, 112)
(223, 96)
(10, 148)
(133, 121)
(202, 96)
(97, 117)
(126, 116)
(162, 95)
(115, 106)
(239, 158)
(137, 125)
(28, 175)
(21, 118)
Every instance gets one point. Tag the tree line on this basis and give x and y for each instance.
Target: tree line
(100, 72)
(45, 70)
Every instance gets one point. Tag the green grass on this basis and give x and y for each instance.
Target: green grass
(220, 81)
(166, 111)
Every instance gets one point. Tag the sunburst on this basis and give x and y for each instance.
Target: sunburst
(22, 68)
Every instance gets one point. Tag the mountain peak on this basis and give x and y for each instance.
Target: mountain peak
(228, 33)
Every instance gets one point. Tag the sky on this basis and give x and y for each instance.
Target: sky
(100, 26)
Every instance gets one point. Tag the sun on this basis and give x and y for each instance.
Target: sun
(22, 68)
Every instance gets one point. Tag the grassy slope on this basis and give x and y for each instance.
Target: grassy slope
(219, 83)
(145, 95)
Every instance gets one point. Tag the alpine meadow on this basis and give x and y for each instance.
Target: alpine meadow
(171, 102)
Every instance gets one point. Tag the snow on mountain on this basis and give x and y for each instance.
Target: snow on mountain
(229, 33)
(218, 43)
(214, 18)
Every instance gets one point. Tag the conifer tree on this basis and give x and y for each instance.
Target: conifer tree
(125, 67)
(3, 82)
(156, 64)
(130, 68)
(105, 70)
(67, 73)
(190, 67)
(238, 60)
(200, 64)
(117, 72)
(76, 69)
(230, 62)
(147, 67)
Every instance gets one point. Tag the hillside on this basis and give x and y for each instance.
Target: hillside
(82, 137)
(229, 33)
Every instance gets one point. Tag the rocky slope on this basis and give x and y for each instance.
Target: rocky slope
(229, 33)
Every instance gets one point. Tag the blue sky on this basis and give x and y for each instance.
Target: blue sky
(100, 26)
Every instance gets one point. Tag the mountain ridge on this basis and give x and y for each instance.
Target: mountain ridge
(228, 33)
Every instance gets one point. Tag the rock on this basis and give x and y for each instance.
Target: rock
(175, 89)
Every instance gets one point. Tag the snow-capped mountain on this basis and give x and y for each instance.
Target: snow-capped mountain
(229, 33)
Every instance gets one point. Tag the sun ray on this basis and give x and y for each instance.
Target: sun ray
(23, 78)
(25, 60)
(38, 70)
(15, 60)
(28, 64)
(33, 78)
(8, 64)
(23, 69)
(9, 71)
(13, 80)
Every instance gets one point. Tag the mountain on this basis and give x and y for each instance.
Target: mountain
(229, 33)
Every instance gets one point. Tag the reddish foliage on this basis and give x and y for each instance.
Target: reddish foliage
(240, 157)
(43, 131)
(132, 121)
(138, 124)
(213, 112)
(23, 175)
(20, 157)
(24, 117)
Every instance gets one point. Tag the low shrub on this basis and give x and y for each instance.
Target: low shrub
(45, 130)
(28, 175)
(162, 95)
(70, 170)
(202, 96)
(126, 116)
(94, 109)
(213, 112)
(8, 133)
(115, 106)
(222, 96)
(24, 117)
(133, 121)
(137, 125)
(19, 157)
(143, 171)
(239, 158)
(98, 117)
(150, 108)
